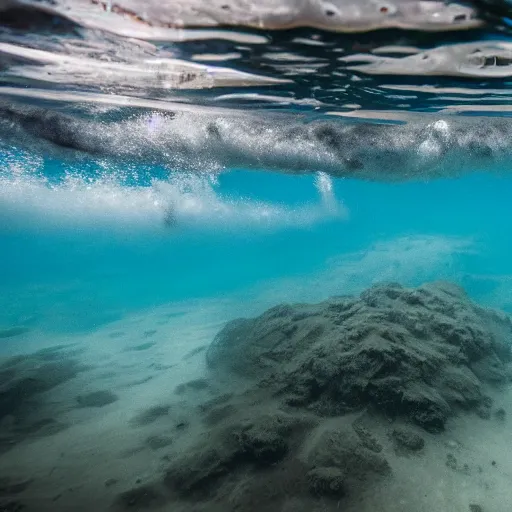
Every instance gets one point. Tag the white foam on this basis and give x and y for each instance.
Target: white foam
(184, 200)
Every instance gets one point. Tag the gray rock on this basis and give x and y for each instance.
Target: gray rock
(342, 449)
(141, 498)
(326, 481)
(150, 415)
(158, 442)
(500, 414)
(416, 353)
(97, 399)
(407, 439)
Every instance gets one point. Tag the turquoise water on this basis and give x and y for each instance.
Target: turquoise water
(260, 267)
(77, 267)
(131, 274)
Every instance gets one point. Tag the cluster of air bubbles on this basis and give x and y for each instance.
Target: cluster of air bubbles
(112, 196)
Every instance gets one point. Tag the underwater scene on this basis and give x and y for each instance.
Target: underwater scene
(255, 256)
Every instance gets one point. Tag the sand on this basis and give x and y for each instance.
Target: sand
(131, 417)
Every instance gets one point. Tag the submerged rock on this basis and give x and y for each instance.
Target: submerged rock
(259, 441)
(197, 472)
(342, 449)
(24, 384)
(9, 485)
(326, 481)
(500, 414)
(158, 442)
(23, 380)
(407, 439)
(97, 399)
(141, 498)
(150, 415)
(284, 428)
(264, 440)
(11, 506)
(416, 353)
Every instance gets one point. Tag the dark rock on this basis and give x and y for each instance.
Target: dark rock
(158, 442)
(425, 407)
(194, 385)
(150, 415)
(200, 470)
(142, 346)
(143, 497)
(259, 441)
(326, 481)
(416, 353)
(194, 352)
(182, 424)
(475, 508)
(451, 462)
(491, 369)
(459, 385)
(483, 412)
(343, 449)
(11, 506)
(218, 414)
(214, 402)
(264, 440)
(500, 414)
(9, 485)
(24, 385)
(487, 401)
(23, 380)
(41, 427)
(285, 441)
(367, 438)
(97, 399)
(407, 439)
(57, 352)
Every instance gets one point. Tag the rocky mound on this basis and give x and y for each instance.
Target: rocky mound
(304, 425)
(417, 353)
(265, 459)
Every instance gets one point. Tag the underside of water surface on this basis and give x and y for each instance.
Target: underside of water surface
(255, 256)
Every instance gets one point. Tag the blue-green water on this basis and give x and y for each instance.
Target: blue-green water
(74, 258)
(260, 267)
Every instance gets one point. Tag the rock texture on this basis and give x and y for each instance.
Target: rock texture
(325, 403)
(24, 380)
(420, 354)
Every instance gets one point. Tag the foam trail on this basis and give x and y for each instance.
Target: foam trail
(424, 148)
(191, 201)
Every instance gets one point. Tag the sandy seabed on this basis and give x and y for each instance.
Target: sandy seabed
(395, 400)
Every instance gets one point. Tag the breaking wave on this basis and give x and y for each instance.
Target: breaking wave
(28, 197)
(186, 138)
